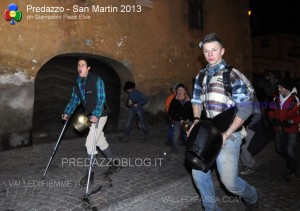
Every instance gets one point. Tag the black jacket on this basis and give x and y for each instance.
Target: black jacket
(90, 101)
(180, 111)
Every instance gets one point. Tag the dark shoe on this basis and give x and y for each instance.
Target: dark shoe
(255, 206)
(247, 171)
(84, 180)
(124, 139)
(113, 168)
(290, 176)
(183, 143)
(146, 137)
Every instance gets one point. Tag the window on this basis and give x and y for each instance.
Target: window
(294, 52)
(195, 14)
(264, 43)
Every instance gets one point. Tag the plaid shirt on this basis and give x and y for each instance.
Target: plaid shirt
(75, 99)
(240, 92)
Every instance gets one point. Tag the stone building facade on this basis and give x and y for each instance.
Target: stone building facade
(151, 45)
(279, 53)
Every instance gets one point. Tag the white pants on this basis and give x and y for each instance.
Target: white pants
(100, 139)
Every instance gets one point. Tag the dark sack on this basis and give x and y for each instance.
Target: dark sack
(259, 140)
(203, 146)
(223, 120)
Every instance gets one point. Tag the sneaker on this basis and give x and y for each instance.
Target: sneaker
(247, 171)
(255, 206)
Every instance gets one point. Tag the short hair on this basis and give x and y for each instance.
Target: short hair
(180, 85)
(84, 59)
(211, 37)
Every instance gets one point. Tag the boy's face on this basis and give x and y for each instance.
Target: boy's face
(129, 90)
(82, 68)
(283, 91)
(181, 91)
(213, 52)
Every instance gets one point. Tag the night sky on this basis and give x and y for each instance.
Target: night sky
(275, 16)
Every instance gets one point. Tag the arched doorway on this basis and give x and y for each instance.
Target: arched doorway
(53, 88)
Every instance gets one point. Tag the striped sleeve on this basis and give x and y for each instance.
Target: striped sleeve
(241, 96)
(196, 92)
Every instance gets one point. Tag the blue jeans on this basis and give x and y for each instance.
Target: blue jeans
(227, 165)
(177, 134)
(170, 133)
(285, 144)
(131, 117)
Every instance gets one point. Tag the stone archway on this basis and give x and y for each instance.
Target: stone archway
(53, 87)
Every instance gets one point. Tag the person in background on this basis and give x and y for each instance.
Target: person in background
(136, 100)
(270, 88)
(180, 111)
(167, 105)
(246, 158)
(285, 118)
(170, 97)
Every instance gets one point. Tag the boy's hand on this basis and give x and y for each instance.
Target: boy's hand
(93, 119)
(65, 117)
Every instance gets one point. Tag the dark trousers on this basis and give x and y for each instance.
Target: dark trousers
(131, 117)
(285, 144)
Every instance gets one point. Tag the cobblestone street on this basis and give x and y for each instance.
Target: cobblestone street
(150, 179)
